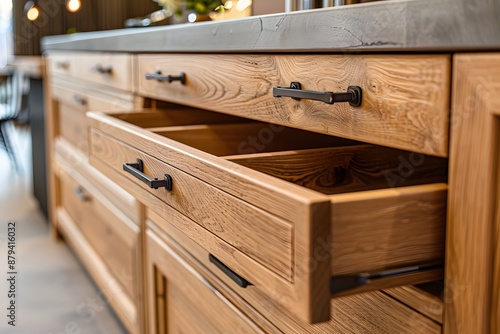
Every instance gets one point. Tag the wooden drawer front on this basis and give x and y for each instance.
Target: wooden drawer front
(294, 217)
(386, 315)
(405, 98)
(113, 70)
(113, 236)
(182, 301)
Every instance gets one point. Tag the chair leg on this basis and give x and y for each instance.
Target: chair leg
(8, 146)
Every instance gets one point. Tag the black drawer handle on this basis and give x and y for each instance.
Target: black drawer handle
(137, 170)
(168, 78)
(353, 95)
(103, 70)
(80, 193)
(232, 275)
(348, 282)
(80, 100)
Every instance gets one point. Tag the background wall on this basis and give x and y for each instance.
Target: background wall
(56, 20)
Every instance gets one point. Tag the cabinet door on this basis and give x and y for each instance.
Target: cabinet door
(473, 227)
(182, 301)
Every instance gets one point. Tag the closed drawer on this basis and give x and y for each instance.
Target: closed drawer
(288, 210)
(405, 98)
(72, 161)
(73, 102)
(386, 315)
(113, 70)
(112, 235)
(182, 300)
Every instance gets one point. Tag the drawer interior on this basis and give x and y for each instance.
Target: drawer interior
(327, 164)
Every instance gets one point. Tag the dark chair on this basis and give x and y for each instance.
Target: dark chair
(11, 89)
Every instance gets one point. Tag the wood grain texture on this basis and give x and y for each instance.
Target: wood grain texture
(119, 65)
(71, 160)
(175, 115)
(185, 287)
(495, 314)
(395, 227)
(405, 98)
(401, 26)
(419, 300)
(306, 210)
(371, 312)
(473, 170)
(310, 235)
(348, 168)
(55, 20)
(113, 237)
(121, 303)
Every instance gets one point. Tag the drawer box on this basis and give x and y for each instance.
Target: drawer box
(113, 70)
(287, 229)
(405, 98)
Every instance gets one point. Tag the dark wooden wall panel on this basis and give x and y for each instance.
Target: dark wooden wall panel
(56, 20)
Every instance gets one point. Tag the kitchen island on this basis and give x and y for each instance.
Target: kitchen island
(179, 163)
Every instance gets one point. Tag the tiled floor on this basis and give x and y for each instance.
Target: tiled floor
(54, 293)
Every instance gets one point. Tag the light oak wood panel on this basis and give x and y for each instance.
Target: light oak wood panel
(394, 227)
(117, 297)
(419, 300)
(262, 236)
(70, 160)
(495, 314)
(347, 168)
(405, 98)
(107, 69)
(72, 127)
(182, 293)
(473, 170)
(371, 312)
(175, 115)
(231, 139)
(117, 69)
(310, 232)
(113, 237)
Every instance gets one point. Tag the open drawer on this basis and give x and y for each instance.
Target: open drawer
(298, 214)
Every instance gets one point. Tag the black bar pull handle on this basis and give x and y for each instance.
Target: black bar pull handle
(80, 193)
(137, 170)
(103, 70)
(80, 100)
(354, 94)
(166, 77)
(232, 275)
